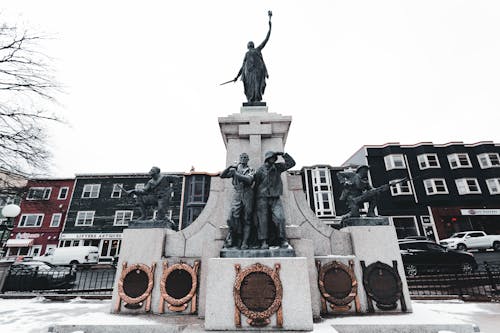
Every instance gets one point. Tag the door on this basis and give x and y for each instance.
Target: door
(35, 250)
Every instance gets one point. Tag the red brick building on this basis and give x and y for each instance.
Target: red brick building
(44, 208)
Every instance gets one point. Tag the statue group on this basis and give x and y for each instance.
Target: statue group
(257, 219)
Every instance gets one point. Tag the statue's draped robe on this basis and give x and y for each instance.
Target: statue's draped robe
(254, 75)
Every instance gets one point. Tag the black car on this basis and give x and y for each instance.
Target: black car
(38, 275)
(423, 257)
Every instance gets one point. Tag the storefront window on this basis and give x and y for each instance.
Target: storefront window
(405, 226)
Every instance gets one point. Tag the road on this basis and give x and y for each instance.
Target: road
(492, 257)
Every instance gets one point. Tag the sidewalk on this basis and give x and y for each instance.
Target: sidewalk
(37, 314)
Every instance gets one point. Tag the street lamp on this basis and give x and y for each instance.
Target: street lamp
(10, 212)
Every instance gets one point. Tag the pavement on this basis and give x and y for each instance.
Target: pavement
(36, 315)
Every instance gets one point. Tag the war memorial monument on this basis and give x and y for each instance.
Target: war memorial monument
(257, 258)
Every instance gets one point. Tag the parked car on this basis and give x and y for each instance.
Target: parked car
(38, 275)
(73, 255)
(472, 240)
(420, 256)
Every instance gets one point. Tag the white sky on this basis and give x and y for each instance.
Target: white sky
(142, 77)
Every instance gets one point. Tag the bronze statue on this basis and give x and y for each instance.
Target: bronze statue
(240, 218)
(156, 193)
(357, 190)
(268, 206)
(253, 72)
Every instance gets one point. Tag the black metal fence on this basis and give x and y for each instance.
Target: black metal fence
(482, 283)
(79, 280)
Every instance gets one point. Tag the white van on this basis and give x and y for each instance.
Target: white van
(73, 255)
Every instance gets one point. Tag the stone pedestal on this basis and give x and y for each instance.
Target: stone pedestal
(220, 310)
(378, 243)
(141, 246)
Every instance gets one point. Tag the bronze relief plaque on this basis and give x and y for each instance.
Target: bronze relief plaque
(178, 286)
(383, 284)
(337, 283)
(135, 283)
(258, 291)
(178, 283)
(257, 295)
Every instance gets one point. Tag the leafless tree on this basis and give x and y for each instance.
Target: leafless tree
(27, 91)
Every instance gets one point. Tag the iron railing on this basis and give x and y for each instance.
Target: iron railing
(79, 280)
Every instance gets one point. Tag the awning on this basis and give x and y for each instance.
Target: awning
(19, 242)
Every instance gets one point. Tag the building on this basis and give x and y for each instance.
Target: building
(11, 188)
(452, 187)
(100, 210)
(43, 211)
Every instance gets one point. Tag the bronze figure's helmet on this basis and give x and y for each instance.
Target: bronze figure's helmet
(269, 154)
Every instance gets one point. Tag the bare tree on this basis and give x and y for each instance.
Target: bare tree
(27, 89)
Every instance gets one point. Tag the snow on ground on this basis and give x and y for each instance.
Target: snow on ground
(37, 314)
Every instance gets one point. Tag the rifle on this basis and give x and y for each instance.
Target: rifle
(365, 196)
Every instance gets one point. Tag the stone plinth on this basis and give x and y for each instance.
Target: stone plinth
(378, 243)
(141, 246)
(365, 221)
(296, 301)
(257, 253)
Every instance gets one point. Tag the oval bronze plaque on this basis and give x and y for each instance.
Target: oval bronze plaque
(383, 284)
(135, 283)
(258, 291)
(178, 284)
(337, 283)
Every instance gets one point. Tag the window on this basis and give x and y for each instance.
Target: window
(63, 193)
(85, 218)
(467, 186)
(402, 188)
(395, 161)
(168, 214)
(91, 190)
(493, 185)
(323, 194)
(122, 217)
(31, 220)
(435, 186)
(405, 226)
(139, 186)
(489, 160)
(39, 193)
(459, 161)
(198, 189)
(56, 220)
(426, 161)
(117, 191)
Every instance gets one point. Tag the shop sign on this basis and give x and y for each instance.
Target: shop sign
(25, 235)
(480, 211)
(91, 236)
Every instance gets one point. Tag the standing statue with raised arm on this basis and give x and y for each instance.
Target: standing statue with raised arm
(268, 188)
(253, 72)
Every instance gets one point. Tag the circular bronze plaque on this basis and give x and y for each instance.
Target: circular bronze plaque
(258, 291)
(135, 283)
(178, 283)
(383, 284)
(338, 283)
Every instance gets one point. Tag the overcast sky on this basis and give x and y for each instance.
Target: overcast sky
(142, 77)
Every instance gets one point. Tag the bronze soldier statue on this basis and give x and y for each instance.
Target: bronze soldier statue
(240, 217)
(156, 193)
(268, 206)
(253, 72)
(357, 190)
